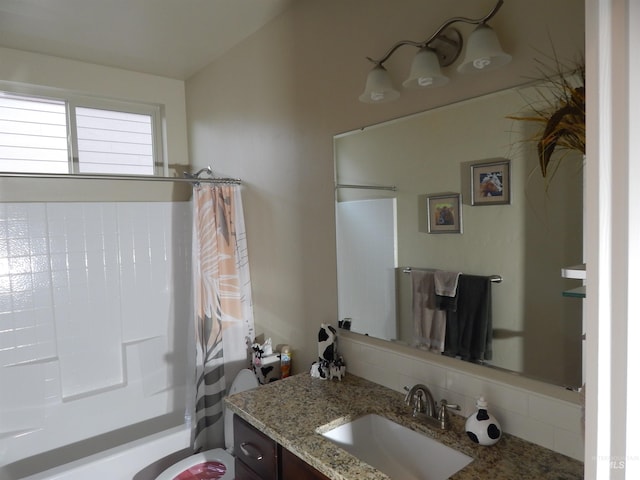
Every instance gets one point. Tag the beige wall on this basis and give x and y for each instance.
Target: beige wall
(267, 112)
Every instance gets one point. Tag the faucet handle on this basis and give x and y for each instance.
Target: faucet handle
(407, 397)
(445, 403)
(443, 413)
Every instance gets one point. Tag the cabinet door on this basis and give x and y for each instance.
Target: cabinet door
(294, 468)
(245, 473)
(254, 449)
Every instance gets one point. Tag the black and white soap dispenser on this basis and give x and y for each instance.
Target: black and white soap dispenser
(482, 427)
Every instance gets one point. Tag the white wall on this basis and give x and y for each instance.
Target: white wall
(613, 234)
(267, 112)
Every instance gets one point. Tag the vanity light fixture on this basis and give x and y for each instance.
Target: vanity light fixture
(441, 49)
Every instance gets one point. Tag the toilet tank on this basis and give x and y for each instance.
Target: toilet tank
(245, 380)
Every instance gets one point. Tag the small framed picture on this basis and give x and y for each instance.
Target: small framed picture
(491, 183)
(444, 213)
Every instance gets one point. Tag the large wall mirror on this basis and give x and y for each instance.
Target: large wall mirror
(384, 174)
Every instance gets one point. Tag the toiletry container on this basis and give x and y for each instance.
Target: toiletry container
(218, 463)
(285, 361)
(481, 426)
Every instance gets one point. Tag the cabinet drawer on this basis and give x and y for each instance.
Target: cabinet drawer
(254, 449)
(294, 468)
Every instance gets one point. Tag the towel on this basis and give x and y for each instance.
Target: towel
(469, 330)
(428, 321)
(446, 286)
(446, 283)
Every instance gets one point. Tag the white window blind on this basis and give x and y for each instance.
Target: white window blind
(33, 135)
(78, 135)
(114, 142)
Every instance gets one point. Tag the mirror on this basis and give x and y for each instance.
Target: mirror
(383, 176)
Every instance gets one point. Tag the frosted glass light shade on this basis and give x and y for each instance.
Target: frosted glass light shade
(483, 51)
(425, 71)
(379, 88)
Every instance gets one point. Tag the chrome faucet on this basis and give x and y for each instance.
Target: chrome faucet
(421, 401)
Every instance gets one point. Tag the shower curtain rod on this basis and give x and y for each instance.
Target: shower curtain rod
(368, 187)
(492, 278)
(139, 178)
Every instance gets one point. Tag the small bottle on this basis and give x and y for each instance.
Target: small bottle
(285, 361)
(481, 426)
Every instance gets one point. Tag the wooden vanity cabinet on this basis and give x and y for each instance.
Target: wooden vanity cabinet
(258, 457)
(294, 468)
(256, 454)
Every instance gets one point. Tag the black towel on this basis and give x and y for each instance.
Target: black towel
(447, 303)
(469, 329)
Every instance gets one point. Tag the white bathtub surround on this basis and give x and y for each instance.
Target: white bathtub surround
(142, 459)
(546, 420)
(91, 296)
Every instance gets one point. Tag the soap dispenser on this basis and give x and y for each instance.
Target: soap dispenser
(481, 426)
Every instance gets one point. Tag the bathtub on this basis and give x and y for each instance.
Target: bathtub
(141, 459)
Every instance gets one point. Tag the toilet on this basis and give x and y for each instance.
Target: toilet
(216, 464)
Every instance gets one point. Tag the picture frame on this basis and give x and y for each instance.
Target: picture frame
(444, 213)
(491, 182)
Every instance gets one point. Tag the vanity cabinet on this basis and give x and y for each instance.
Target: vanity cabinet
(294, 468)
(256, 454)
(258, 457)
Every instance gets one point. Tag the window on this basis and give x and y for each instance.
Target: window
(33, 135)
(78, 135)
(114, 142)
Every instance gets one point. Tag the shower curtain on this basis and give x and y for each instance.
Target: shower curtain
(223, 306)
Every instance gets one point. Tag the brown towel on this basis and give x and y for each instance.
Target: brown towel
(429, 322)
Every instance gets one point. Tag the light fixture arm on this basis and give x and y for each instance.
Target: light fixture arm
(438, 33)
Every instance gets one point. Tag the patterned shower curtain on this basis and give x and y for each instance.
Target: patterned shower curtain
(223, 306)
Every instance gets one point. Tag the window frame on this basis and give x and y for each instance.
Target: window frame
(74, 100)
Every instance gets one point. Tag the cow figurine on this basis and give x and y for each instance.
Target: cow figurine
(329, 364)
(337, 369)
(327, 339)
(320, 369)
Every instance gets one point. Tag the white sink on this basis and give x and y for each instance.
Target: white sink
(396, 450)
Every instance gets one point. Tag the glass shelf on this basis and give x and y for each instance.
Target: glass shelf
(577, 272)
(579, 292)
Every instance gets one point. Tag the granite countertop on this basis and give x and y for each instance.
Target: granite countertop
(293, 410)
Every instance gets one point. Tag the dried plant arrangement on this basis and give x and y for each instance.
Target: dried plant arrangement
(560, 113)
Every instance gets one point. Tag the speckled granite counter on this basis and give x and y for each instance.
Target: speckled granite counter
(291, 411)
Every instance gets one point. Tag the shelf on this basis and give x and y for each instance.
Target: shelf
(578, 272)
(579, 292)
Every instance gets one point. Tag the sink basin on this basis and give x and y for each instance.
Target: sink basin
(396, 450)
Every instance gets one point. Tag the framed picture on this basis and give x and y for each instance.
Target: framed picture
(444, 213)
(491, 183)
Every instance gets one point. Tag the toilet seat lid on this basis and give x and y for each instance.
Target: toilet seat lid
(216, 455)
(245, 380)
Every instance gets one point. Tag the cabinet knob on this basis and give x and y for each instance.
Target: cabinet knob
(251, 451)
